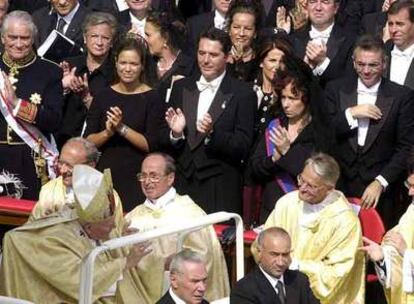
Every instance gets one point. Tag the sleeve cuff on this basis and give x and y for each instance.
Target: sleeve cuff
(352, 122)
(320, 69)
(408, 271)
(382, 181)
(25, 111)
(175, 140)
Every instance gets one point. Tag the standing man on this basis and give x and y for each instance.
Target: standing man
(202, 22)
(31, 106)
(373, 119)
(211, 120)
(395, 257)
(134, 18)
(188, 276)
(66, 17)
(400, 47)
(325, 233)
(164, 207)
(323, 44)
(272, 281)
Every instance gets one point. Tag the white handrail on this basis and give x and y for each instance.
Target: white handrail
(86, 280)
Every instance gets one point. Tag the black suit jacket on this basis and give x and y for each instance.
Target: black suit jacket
(195, 26)
(167, 299)
(409, 79)
(373, 24)
(388, 140)
(339, 51)
(223, 154)
(254, 288)
(46, 22)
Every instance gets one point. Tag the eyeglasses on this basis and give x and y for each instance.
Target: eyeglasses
(372, 66)
(311, 188)
(408, 185)
(152, 178)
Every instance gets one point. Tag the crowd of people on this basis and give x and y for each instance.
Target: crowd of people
(164, 111)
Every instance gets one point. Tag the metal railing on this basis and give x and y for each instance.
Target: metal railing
(86, 280)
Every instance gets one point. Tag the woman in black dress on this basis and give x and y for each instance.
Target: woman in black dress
(124, 120)
(296, 131)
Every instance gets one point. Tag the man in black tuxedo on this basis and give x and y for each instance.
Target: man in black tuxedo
(200, 23)
(66, 17)
(188, 276)
(211, 120)
(323, 44)
(373, 119)
(134, 18)
(271, 282)
(400, 47)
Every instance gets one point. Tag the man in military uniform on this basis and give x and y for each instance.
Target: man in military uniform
(30, 104)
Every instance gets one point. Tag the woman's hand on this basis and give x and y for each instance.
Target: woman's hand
(280, 138)
(114, 116)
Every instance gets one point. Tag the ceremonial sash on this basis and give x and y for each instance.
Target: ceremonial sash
(29, 133)
(283, 179)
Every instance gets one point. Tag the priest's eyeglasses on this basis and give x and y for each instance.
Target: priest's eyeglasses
(311, 188)
(152, 178)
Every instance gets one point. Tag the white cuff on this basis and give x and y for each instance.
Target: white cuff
(175, 140)
(384, 276)
(352, 122)
(17, 107)
(319, 69)
(382, 181)
(408, 271)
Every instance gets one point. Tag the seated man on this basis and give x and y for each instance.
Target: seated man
(58, 191)
(42, 259)
(164, 207)
(188, 276)
(325, 233)
(396, 255)
(271, 281)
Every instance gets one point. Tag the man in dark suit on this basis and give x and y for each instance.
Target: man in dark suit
(134, 18)
(400, 47)
(323, 44)
(373, 119)
(211, 122)
(271, 282)
(66, 17)
(200, 23)
(188, 276)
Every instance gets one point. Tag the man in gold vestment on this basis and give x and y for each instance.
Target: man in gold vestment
(395, 258)
(164, 207)
(42, 259)
(325, 233)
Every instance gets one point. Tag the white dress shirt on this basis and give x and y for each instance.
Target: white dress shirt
(273, 281)
(219, 20)
(400, 63)
(206, 96)
(68, 18)
(321, 37)
(175, 298)
(138, 25)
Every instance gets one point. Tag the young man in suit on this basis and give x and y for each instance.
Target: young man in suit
(211, 128)
(400, 47)
(323, 44)
(188, 275)
(372, 118)
(271, 281)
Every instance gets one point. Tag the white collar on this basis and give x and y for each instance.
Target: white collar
(68, 18)
(175, 298)
(363, 87)
(216, 81)
(162, 201)
(409, 51)
(315, 208)
(272, 280)
(219, 19)
(136, 21)
(325, 33)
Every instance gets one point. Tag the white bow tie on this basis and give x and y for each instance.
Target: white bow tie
(203, 85)
(367, 92)
(398, 53)
(318, 35)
